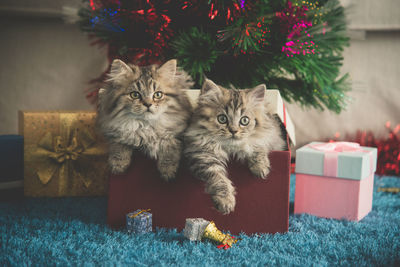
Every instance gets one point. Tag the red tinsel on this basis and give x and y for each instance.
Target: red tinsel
(143, 19)
(146, 21)
(227, 10)
(388, 148)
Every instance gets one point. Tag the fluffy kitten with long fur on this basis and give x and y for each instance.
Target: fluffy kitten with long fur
(144, 108)
(230, 124)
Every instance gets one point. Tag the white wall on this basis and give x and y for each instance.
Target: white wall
(46, 64)
(374, 67)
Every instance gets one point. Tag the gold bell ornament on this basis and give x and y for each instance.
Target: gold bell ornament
(212, 233)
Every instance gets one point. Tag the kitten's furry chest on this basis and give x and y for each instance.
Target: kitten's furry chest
(142, 134)
(238, 150)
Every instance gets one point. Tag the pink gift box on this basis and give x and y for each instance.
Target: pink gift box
(331, 196)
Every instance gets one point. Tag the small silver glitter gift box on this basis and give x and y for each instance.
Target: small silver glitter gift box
(194, 228)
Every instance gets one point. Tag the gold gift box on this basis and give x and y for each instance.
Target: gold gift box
(63, 155)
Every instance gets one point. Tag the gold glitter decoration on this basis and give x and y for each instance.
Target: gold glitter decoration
(211, 232)
(389, 189)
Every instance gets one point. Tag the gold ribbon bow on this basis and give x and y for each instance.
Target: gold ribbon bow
(137, 213)
(67, 155)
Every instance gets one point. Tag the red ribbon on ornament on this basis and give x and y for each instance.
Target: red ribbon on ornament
(225, 246)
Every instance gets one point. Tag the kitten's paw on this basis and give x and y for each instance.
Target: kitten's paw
(119, 158)
(118, 166)
(224, 204)
(168, 170)
(260, 170)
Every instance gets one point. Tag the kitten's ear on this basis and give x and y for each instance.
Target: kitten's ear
(209, 86)
(257, 94)
(168, 69)
(120, 72)
(210, 92)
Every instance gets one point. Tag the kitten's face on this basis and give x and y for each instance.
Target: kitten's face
(141, 91)
(230, 115)
(145, 96)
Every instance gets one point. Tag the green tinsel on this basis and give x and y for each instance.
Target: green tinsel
(196, 52)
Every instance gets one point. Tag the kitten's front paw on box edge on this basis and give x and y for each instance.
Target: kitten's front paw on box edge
(118, 167)
(168, 174)
(168, 177)
(224, 204)
(168, 169)
(259, 171)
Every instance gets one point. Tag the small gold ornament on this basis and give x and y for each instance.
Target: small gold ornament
(211, 232)
(389, 189)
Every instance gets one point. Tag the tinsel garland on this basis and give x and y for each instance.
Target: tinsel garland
(388, 148)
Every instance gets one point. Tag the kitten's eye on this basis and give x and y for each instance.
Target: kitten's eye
(244, 121)
(135, 95)
(222, 119)
(158, 95)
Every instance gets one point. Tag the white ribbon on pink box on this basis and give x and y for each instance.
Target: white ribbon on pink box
(331, 151)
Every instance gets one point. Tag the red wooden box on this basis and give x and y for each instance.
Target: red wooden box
(262, 206)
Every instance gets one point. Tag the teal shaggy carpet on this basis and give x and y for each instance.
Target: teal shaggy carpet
(72, 232)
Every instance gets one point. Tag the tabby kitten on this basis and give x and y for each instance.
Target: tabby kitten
(230, 124)
(144, 108)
